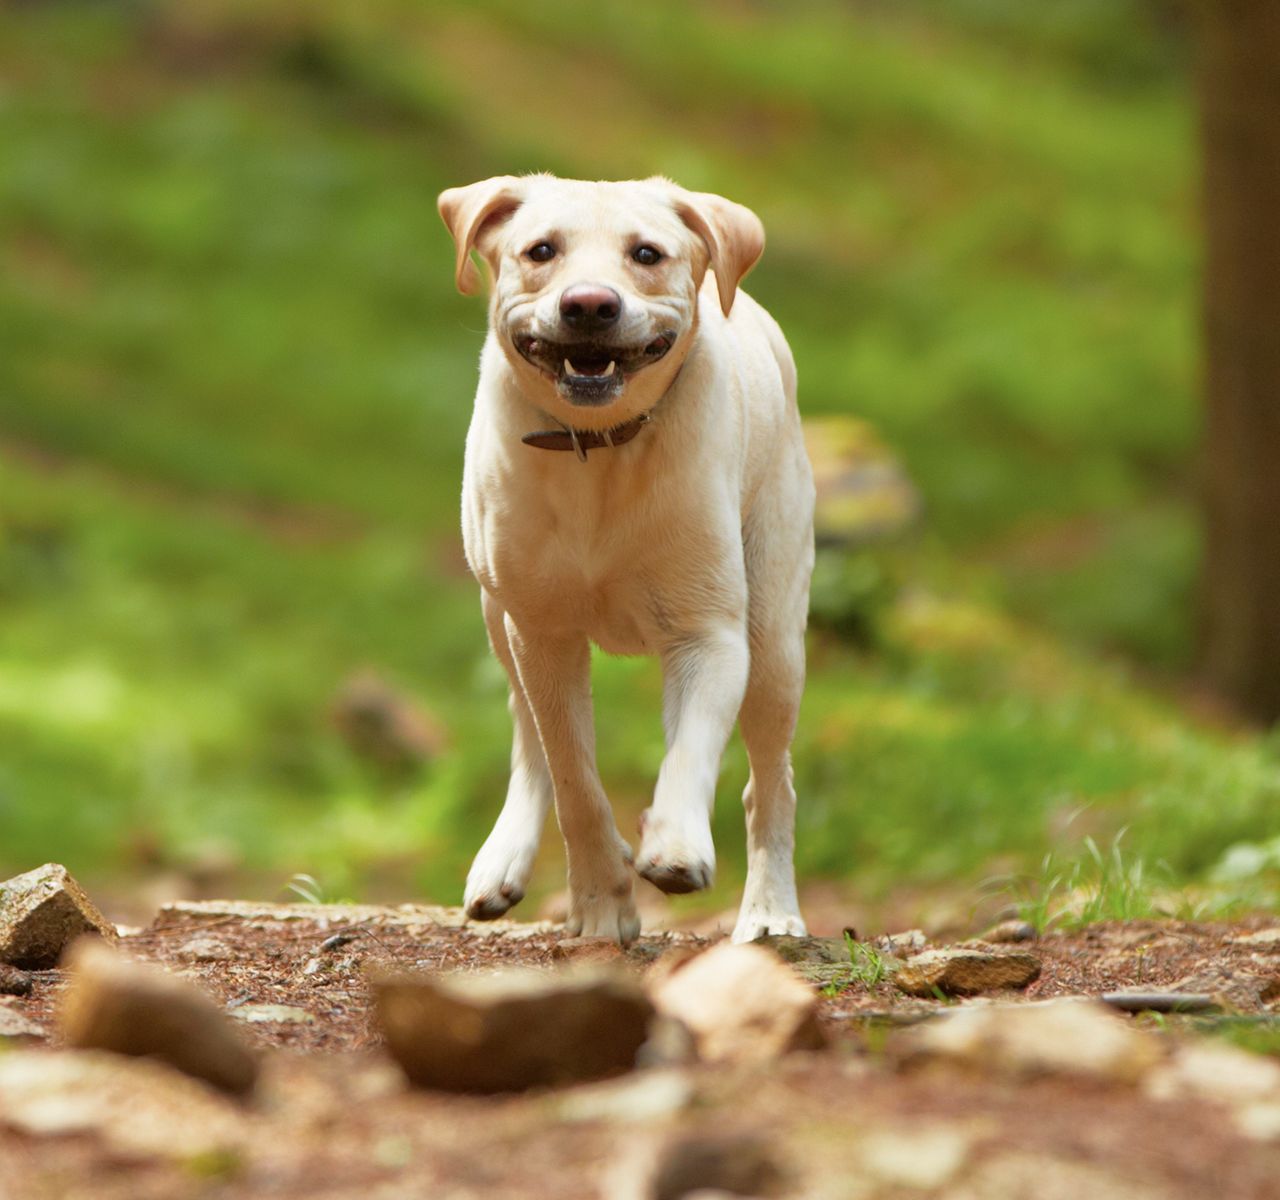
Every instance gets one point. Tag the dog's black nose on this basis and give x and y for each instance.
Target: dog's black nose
(589, 307)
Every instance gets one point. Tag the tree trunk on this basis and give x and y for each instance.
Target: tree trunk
(1239, 78)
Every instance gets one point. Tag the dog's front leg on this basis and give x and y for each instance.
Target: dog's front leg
(704, 677)
(555, 673)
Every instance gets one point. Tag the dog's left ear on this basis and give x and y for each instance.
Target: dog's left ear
(467, 210)
(734, 236)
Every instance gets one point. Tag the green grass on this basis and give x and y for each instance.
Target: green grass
(867, 967)
(235, 382)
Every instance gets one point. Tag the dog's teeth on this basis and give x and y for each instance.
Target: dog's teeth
(609, 369)
(568, 368)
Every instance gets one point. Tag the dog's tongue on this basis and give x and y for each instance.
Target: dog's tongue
(591, 368)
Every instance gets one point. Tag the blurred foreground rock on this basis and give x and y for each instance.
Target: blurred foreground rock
(1056, 1037)
(511, 1030)
(961, 972)
(723, 1164)
(41, 913)
(112, 1004)
(741, 1003)
(138, 1109)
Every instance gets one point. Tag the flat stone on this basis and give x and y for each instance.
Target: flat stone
(741, 1004)
(41, 913)
(959, 972)
(1266, 940)
(137, 1108)
(1081, 1038)
(1241, 990)
(204, 949)
(114, 1004)
(818, 950)
(14, 982)
(510, 1030)
(272, 1014)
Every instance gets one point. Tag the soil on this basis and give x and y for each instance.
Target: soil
(332, 1117)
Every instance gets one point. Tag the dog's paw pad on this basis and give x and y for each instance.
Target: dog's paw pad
(490, 908)
(676, 879)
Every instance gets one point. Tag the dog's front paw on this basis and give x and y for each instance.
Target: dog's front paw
(757, 923)
(675, 860)
(497, 878)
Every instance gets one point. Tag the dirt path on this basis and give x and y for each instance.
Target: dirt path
(333, 1117)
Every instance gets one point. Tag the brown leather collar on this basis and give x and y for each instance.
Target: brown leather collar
(582, 440)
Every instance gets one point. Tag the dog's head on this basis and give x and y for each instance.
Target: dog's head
(595, 285)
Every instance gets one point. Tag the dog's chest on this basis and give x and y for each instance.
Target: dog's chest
(607, 563)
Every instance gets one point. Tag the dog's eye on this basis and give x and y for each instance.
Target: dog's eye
(647, 256)
(542, 252)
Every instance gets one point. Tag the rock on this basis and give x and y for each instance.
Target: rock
(918, 1158)
(644, 1096)
(1057, 1037)
(741, 1004)
(15, 1027)
(863, 493)
(1208, 1071)
(272, 1014)
(1009, 932)
(113, 1004)
(1265, 940)
(1243, 991)
(14, 982)
(588, 950)
(739, 1164)
(806, 949)
(41, 913)
(958, 972)
(1161, 1002)
(510, 1030)
(1261, 1122)
(385, 725)
(910, 941)
(139, 1109)
(204, 949)
(671, 960)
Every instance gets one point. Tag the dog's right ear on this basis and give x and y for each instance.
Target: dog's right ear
(467, 210)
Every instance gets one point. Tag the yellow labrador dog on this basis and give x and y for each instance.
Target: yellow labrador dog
(635, 477)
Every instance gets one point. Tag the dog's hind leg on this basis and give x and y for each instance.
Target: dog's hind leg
(779, 568)
(555, 674)
(500, 873)
(767, 721)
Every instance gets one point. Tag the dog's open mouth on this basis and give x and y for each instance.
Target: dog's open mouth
(591, 373)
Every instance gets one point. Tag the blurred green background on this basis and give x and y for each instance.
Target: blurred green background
(235, 381)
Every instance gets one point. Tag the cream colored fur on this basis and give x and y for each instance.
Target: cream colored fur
(692, 542)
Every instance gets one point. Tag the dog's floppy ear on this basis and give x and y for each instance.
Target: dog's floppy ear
(733, 234)
(467, 210)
